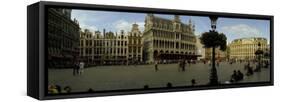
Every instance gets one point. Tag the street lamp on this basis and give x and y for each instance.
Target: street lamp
(213, 74)
(213, 22)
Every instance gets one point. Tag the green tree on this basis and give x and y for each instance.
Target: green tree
(213, 39)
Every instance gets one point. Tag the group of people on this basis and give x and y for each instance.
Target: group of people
(250, 70)
(56, 89)
(236, 76)
(182, 65)
(78, 68)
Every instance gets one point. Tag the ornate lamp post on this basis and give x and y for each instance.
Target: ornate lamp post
(213, 74)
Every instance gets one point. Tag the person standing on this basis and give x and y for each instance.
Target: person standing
(77, 67)
(81, 67)
(179, 66)
(183, 65)
(74, 69)
(156, 66)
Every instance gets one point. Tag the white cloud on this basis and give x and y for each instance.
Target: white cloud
(86, 19)
(242, 30)
(90, 27)
(127, 26)
(122, 25)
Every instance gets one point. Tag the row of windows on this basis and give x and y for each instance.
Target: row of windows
(237, 51)
(58, 42)
(135, 34)
(134, 49)
(188, 38)
(251, 40)
(246, 49)
(185, 28)
(171, 44)
(98, 36)
(107, 51)
(248, 46)
(163, 26)
(102, 43)
(135, 41)
(163, 34)
(172, 35)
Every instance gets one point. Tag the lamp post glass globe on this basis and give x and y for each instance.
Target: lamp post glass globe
(213, 22)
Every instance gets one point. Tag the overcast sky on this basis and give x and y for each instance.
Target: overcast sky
(233, 28)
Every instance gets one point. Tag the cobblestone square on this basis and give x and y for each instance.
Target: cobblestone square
(101, 78)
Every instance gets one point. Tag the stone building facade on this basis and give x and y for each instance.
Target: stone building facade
(219, 54)
(85, 46)
(105, 48)
(135, 45)
(245, 48)
(168, 40)
(200, 49)
(63, 38)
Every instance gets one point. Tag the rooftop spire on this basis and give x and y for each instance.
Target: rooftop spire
(177, 18)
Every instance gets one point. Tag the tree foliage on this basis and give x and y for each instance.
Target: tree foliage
(214, 39)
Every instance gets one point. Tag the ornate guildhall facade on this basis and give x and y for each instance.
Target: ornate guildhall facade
(166, 39)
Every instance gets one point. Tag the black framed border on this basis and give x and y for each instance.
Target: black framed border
(37, 74)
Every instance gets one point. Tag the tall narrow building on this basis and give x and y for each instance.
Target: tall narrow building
(135, 45)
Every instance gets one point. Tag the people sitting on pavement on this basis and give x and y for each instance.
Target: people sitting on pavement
(66, 89)
(169, 85)
(193, 82)
(234, 76)
(90, 90)
(240, 75)
(52, 89)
